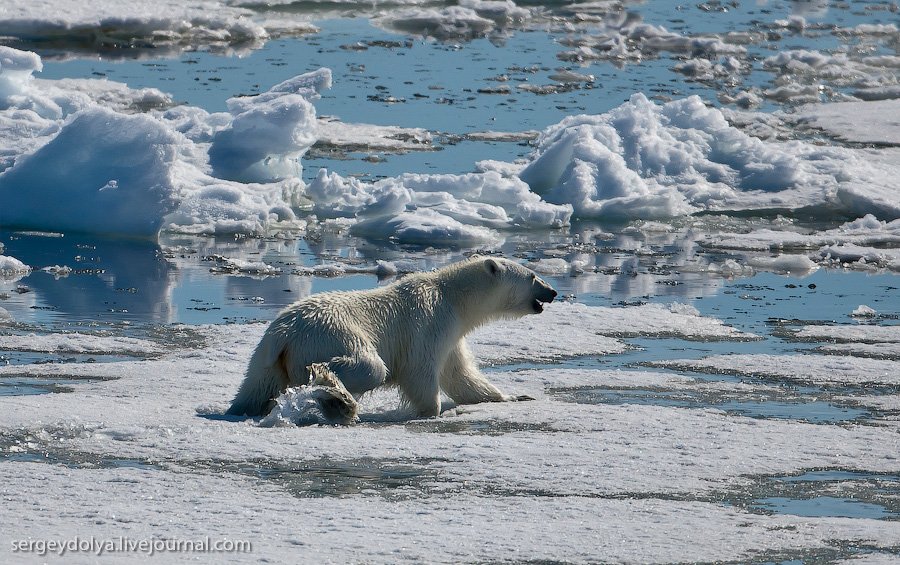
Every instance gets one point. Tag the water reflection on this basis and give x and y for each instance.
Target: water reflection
(809, 8)
(183, 280)
(108, 279)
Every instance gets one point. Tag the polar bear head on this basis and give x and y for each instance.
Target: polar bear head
(514, 290)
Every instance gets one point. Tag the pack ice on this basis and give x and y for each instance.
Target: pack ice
(150, 166)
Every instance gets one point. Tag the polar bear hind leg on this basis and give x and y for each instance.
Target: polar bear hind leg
(360, 372)
(335, 402)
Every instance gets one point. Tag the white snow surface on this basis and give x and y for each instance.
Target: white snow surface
(195, 472)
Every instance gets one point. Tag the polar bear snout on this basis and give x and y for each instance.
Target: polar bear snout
(543, 294)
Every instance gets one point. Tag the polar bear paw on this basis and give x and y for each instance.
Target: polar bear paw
(335, 402)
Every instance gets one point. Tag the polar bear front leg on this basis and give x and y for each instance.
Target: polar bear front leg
(422, 390)
(464, 383)
(360, 372)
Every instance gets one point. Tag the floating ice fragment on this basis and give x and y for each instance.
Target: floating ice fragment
(787, 264)
(58, 271)
(863, 311)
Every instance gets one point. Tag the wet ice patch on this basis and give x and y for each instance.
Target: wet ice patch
(236, 266)
(785, 264)
(571, 329)
(335, 135)
(827, 370)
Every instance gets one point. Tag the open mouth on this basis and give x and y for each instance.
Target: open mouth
(538, 305)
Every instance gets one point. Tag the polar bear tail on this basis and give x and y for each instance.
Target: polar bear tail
(266, 378)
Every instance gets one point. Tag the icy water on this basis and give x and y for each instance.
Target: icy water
(143, 290)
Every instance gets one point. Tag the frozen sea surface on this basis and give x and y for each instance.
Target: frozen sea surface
(710, 186)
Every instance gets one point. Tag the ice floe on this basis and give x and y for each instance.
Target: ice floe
(78, 343)
(161, 28)
(143, 172)
(469, 19)
(844, 333)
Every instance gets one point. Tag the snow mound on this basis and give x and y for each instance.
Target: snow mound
(269, 132)
(643, 160)
(119, 183)
(12, 268)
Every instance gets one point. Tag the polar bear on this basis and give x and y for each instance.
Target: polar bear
(409, 334)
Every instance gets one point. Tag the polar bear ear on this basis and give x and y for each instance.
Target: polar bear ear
(492, 266)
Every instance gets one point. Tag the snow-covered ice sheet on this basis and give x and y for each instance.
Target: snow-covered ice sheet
(337, 530)
(860, 122)
(153, 428)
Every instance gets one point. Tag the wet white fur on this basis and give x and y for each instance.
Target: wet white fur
(410, 334)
